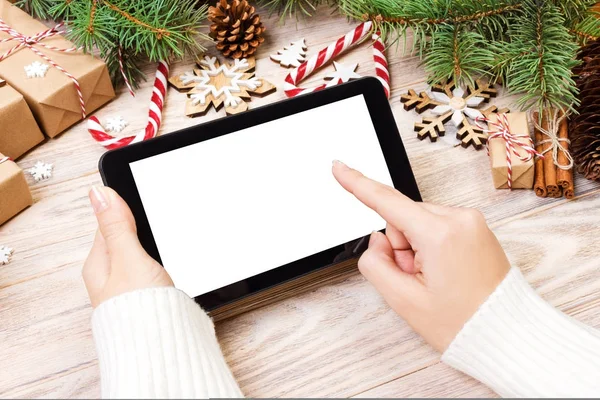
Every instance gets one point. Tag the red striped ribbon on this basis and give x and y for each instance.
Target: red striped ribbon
(29, 42)
(123, 74)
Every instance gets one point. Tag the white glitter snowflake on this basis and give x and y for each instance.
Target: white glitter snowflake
(5, 254)
(235, 75)
(458, 105)
(41, 171)
(115, 124)
(36, 69)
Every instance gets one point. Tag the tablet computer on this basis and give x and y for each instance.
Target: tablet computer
(245, 209)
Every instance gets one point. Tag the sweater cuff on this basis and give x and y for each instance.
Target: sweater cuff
(520, 346)
(157, 343)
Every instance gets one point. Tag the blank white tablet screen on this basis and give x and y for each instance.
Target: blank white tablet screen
(235, 206)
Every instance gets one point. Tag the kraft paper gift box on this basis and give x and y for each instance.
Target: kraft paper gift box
(522, 171)
(53, 99)
(18, 130)
(14, 191)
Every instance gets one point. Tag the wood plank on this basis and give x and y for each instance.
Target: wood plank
(439, 380)
(337, 340)
(342, 339)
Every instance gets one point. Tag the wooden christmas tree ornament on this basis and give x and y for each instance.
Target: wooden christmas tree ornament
(236, 28)
(292, 55)
(450, 103)
(215, 84)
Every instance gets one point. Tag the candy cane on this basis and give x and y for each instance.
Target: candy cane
(154, 115)
(334, 49)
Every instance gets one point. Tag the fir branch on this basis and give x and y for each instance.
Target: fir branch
(142, 29)
(445, 20)
(131, 68)
(574, 11)
(457, 54)
(542, 55)
(425, 16)
(588, 29)
(291, 8)
(37, 8)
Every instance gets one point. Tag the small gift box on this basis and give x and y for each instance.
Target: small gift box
(14, 189)
(60, 84)
(18, 130)
(511, 151)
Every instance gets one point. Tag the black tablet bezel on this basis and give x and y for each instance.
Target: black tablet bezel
(116, 173)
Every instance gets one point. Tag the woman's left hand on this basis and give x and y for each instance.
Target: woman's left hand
(117, 262)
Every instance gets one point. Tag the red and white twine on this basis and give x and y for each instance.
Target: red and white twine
(513, 142)
(296, 76)
(4, 159)
(30, 41)
(123, 74)
(154, 115)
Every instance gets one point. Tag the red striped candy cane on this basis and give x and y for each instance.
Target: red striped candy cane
(154, 116)
(296, 76)
(381, 65)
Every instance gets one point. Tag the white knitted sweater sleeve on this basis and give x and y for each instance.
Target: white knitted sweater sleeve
(521, 346)
(158, 343)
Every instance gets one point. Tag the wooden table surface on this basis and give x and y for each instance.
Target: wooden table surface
(340, 340)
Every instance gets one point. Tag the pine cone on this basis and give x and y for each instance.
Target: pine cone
(237, 30)
(584, 128)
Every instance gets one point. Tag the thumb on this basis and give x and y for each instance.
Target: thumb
(378, 266)
(116, 222)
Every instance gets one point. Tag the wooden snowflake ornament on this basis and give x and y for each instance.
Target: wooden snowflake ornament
(292, 55)
(450, 103)
(215, 84)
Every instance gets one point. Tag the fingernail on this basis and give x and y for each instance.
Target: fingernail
(338, 163)
(98, 199)
(372, 238)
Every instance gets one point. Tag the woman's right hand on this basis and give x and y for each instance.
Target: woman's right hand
(434, 265)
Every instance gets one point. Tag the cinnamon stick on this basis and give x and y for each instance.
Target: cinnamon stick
(558, 193)
(549, 167)
(565, 177)
(539, 184)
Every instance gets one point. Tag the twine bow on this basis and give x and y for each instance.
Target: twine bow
(513, 142)
(551, 133)
(29, 42)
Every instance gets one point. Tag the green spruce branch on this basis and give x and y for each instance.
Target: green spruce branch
(542, 54)
(291, 8)
(129, 31)
(457, 54)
